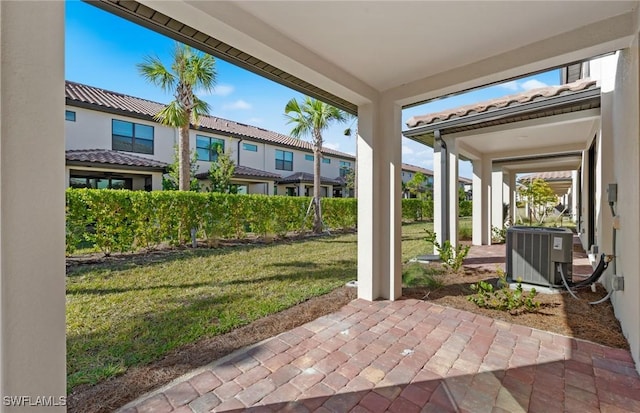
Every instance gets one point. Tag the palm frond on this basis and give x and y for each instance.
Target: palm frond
(172, 115)
(154, 71)
(200, 108)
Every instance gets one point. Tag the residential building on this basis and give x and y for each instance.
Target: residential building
(112, 140)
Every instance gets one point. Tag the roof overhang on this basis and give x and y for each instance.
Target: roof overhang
(576, 102)
(543, 134)
(118, 167)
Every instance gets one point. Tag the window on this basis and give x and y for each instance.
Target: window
(326, 160)
(131, 137)
(308, 157)
(284, 160)
(250, 147)
(70, 115)
(207, 148)
(345, 167)
(96, 182)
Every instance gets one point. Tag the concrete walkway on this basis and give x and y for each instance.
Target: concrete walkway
(408, 356)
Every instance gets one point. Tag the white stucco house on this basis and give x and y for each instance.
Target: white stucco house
(112, 140)
(446, 47)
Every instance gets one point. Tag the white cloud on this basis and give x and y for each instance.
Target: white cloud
(334, 146)
(223, 90)
(532, 84)
(237, 105)
(513, 85)
(218, 90)
(406, 150)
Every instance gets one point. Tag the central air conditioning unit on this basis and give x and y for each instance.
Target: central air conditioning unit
(534, 253)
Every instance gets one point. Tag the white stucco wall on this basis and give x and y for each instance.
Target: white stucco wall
(624, 112)
(32, 270)
(92, 130)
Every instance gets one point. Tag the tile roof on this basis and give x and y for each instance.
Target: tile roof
(306, 177)
(550, 176)
(414, 168)
(106, 156)
(502, 102)
(97, 97)
(246, 172)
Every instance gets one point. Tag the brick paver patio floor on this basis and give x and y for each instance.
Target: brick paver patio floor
(408, 356)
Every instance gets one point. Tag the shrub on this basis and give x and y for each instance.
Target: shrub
(465, 208)
(505, 299)
(452, 258)
(498, 235)
(465, 233)
(121, 220)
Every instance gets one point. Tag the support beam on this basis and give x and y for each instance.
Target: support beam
(574, 196)
(440, 196)
(452, 190)
(32, 269)
(379, 196)
(511, 198)
(481, 203)
(497, 186)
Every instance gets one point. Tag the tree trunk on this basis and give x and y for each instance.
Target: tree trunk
(317, 216)
(184, 161)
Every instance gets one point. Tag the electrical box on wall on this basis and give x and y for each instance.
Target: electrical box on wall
(612, 193)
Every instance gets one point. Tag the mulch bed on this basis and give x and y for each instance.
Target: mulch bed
(559, 313)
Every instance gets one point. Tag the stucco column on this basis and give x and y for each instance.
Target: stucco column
(497, 186)
(156, 181)
(269, 188)
(32, 173)
(67, 176)
(301, 189)
(379, 196)
(440, 211)
(330, 191)
(481, 204)
(574, 196)
(452, 182)
(511, 200)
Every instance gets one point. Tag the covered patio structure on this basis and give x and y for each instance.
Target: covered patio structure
(542, 130)
(357, 65)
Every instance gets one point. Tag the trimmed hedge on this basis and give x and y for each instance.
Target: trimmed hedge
(414, 209)
(120, 220)
(465, 209)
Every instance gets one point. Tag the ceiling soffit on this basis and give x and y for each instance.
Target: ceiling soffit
(156, 21)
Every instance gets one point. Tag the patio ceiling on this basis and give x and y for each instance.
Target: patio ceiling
(540, 130)
(351, 51)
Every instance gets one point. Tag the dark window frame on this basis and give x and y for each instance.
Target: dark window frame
(70, 115)
(345, 167)
(134, 138)
(282, 163)
(212, 155)
(246, 146)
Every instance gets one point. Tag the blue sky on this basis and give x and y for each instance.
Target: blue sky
(102, 50)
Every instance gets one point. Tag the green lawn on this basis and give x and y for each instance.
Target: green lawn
(128, 313)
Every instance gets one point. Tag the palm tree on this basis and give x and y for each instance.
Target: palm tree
(312, 117)
(189, 71)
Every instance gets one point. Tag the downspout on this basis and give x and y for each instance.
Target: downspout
(444, 183)
(239, 142)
